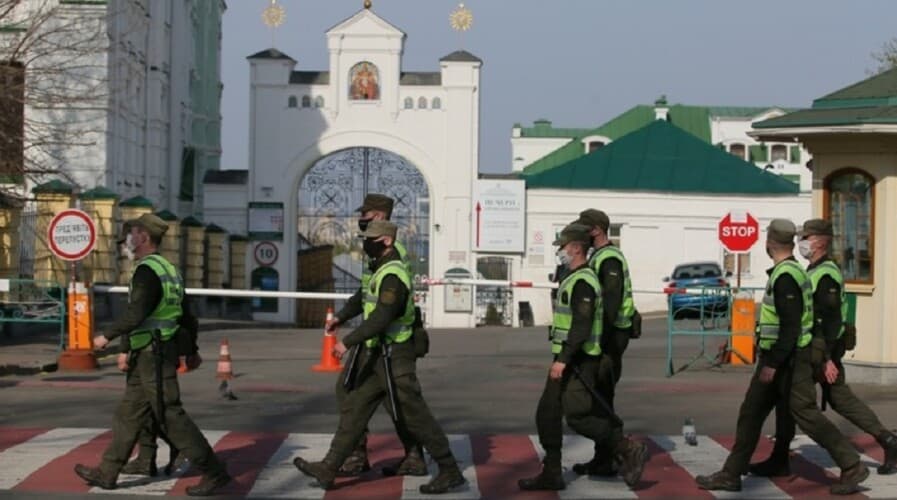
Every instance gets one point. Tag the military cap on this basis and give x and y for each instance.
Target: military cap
(821, 227)
(376, 201)
(378, 228)
(781, 231)
(574, 232)
(594, 218)
(151, 223)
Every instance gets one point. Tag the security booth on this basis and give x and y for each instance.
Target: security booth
(852, 135)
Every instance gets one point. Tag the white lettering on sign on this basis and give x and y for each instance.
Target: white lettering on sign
(739, 231)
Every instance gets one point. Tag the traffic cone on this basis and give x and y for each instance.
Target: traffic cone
(329, 363)
(225, 371)
(182, 364)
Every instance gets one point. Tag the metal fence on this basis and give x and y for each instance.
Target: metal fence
(33, 301)
(706, 313)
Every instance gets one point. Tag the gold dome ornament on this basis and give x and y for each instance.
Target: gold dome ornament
(274, 15)
(461, 18)
(368, 4)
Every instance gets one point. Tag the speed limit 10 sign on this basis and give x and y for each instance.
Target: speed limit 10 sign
(266, 253)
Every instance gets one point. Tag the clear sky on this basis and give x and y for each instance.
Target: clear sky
(582, 62)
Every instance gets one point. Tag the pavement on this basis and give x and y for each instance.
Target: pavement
(482, 385)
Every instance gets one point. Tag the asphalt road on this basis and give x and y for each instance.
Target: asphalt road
(485, 380)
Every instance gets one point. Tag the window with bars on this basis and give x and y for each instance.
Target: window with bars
(737, 150)
(849, 205)
(613, 234)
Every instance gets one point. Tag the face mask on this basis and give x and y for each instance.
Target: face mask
(129, 247)
(805, 249)
(563, 258)
(373, 248)
(363, 224)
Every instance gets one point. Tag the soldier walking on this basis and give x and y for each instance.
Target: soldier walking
(151, 322)
(581, 377)
(834, 337)
(385, 369)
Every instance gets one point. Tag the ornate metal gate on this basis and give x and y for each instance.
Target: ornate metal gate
(335, 186)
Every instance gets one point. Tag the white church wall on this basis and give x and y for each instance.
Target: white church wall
(658, 232)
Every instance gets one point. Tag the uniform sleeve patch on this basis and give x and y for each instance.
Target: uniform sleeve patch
(388, 296)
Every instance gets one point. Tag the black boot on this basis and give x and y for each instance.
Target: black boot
(599, 465)
(357, 463)
(412, 465)
(551, 478)
(849, 482)
(720, 481)
(449, 478)
(632, 457)
(208, 484)
(175, 462)
(777, 465)
(141, 466)
(323, 471)
(95, 477)
(888, 441)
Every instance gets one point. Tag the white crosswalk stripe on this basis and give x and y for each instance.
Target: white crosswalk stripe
(161, 484)
(278, 478)
(20, 461)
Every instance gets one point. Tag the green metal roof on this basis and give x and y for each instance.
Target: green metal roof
(55, 186)
(871, 101)
(136, 201)
(191, 221)
(98, 193)
(662, 157)
(743, 111)
(166, 215)
(215, 228)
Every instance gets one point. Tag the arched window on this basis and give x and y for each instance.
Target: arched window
(319, 101)
(409, 103)
(778, 153)
(306, 101)
(849, 204)
(292, 102)
(595, 146)
(422, 103)
(437, 103)
(737, 150)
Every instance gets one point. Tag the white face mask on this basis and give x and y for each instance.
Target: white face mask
(129, 247)
(563, 258)
(805, 249)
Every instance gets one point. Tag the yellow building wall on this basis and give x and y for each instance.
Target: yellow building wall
(876, 302)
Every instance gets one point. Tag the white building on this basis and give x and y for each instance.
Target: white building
(362, 125)
(132, 101)
(543, 146)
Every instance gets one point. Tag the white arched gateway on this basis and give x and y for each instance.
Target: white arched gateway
(353, 116)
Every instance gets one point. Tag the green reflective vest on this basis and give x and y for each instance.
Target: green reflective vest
(400, 329)
(830, 269)
(627, 306)
(563, 314)
(768, 328)
(403, 254)
(165, 317)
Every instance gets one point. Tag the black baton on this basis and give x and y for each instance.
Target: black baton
(601, 401)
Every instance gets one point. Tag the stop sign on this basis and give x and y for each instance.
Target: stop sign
(738, 231)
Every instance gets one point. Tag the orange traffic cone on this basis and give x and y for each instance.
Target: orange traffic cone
(182, 364)
(225, 371)
(329, 363)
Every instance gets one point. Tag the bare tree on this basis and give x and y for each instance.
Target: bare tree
(886, 57)
(53, 90)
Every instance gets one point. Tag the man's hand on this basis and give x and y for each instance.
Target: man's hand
(830, 372)
(100, 341)
(767, 373)
(330, 325)
(123, 361)
(339, 350)
(193, 361)
(557, 370)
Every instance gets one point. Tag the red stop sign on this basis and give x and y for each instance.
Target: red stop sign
(738, 231)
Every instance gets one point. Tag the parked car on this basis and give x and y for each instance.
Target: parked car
(696, 275)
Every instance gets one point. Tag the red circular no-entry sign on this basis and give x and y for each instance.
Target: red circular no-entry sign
(738, 231)
(72, 235)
